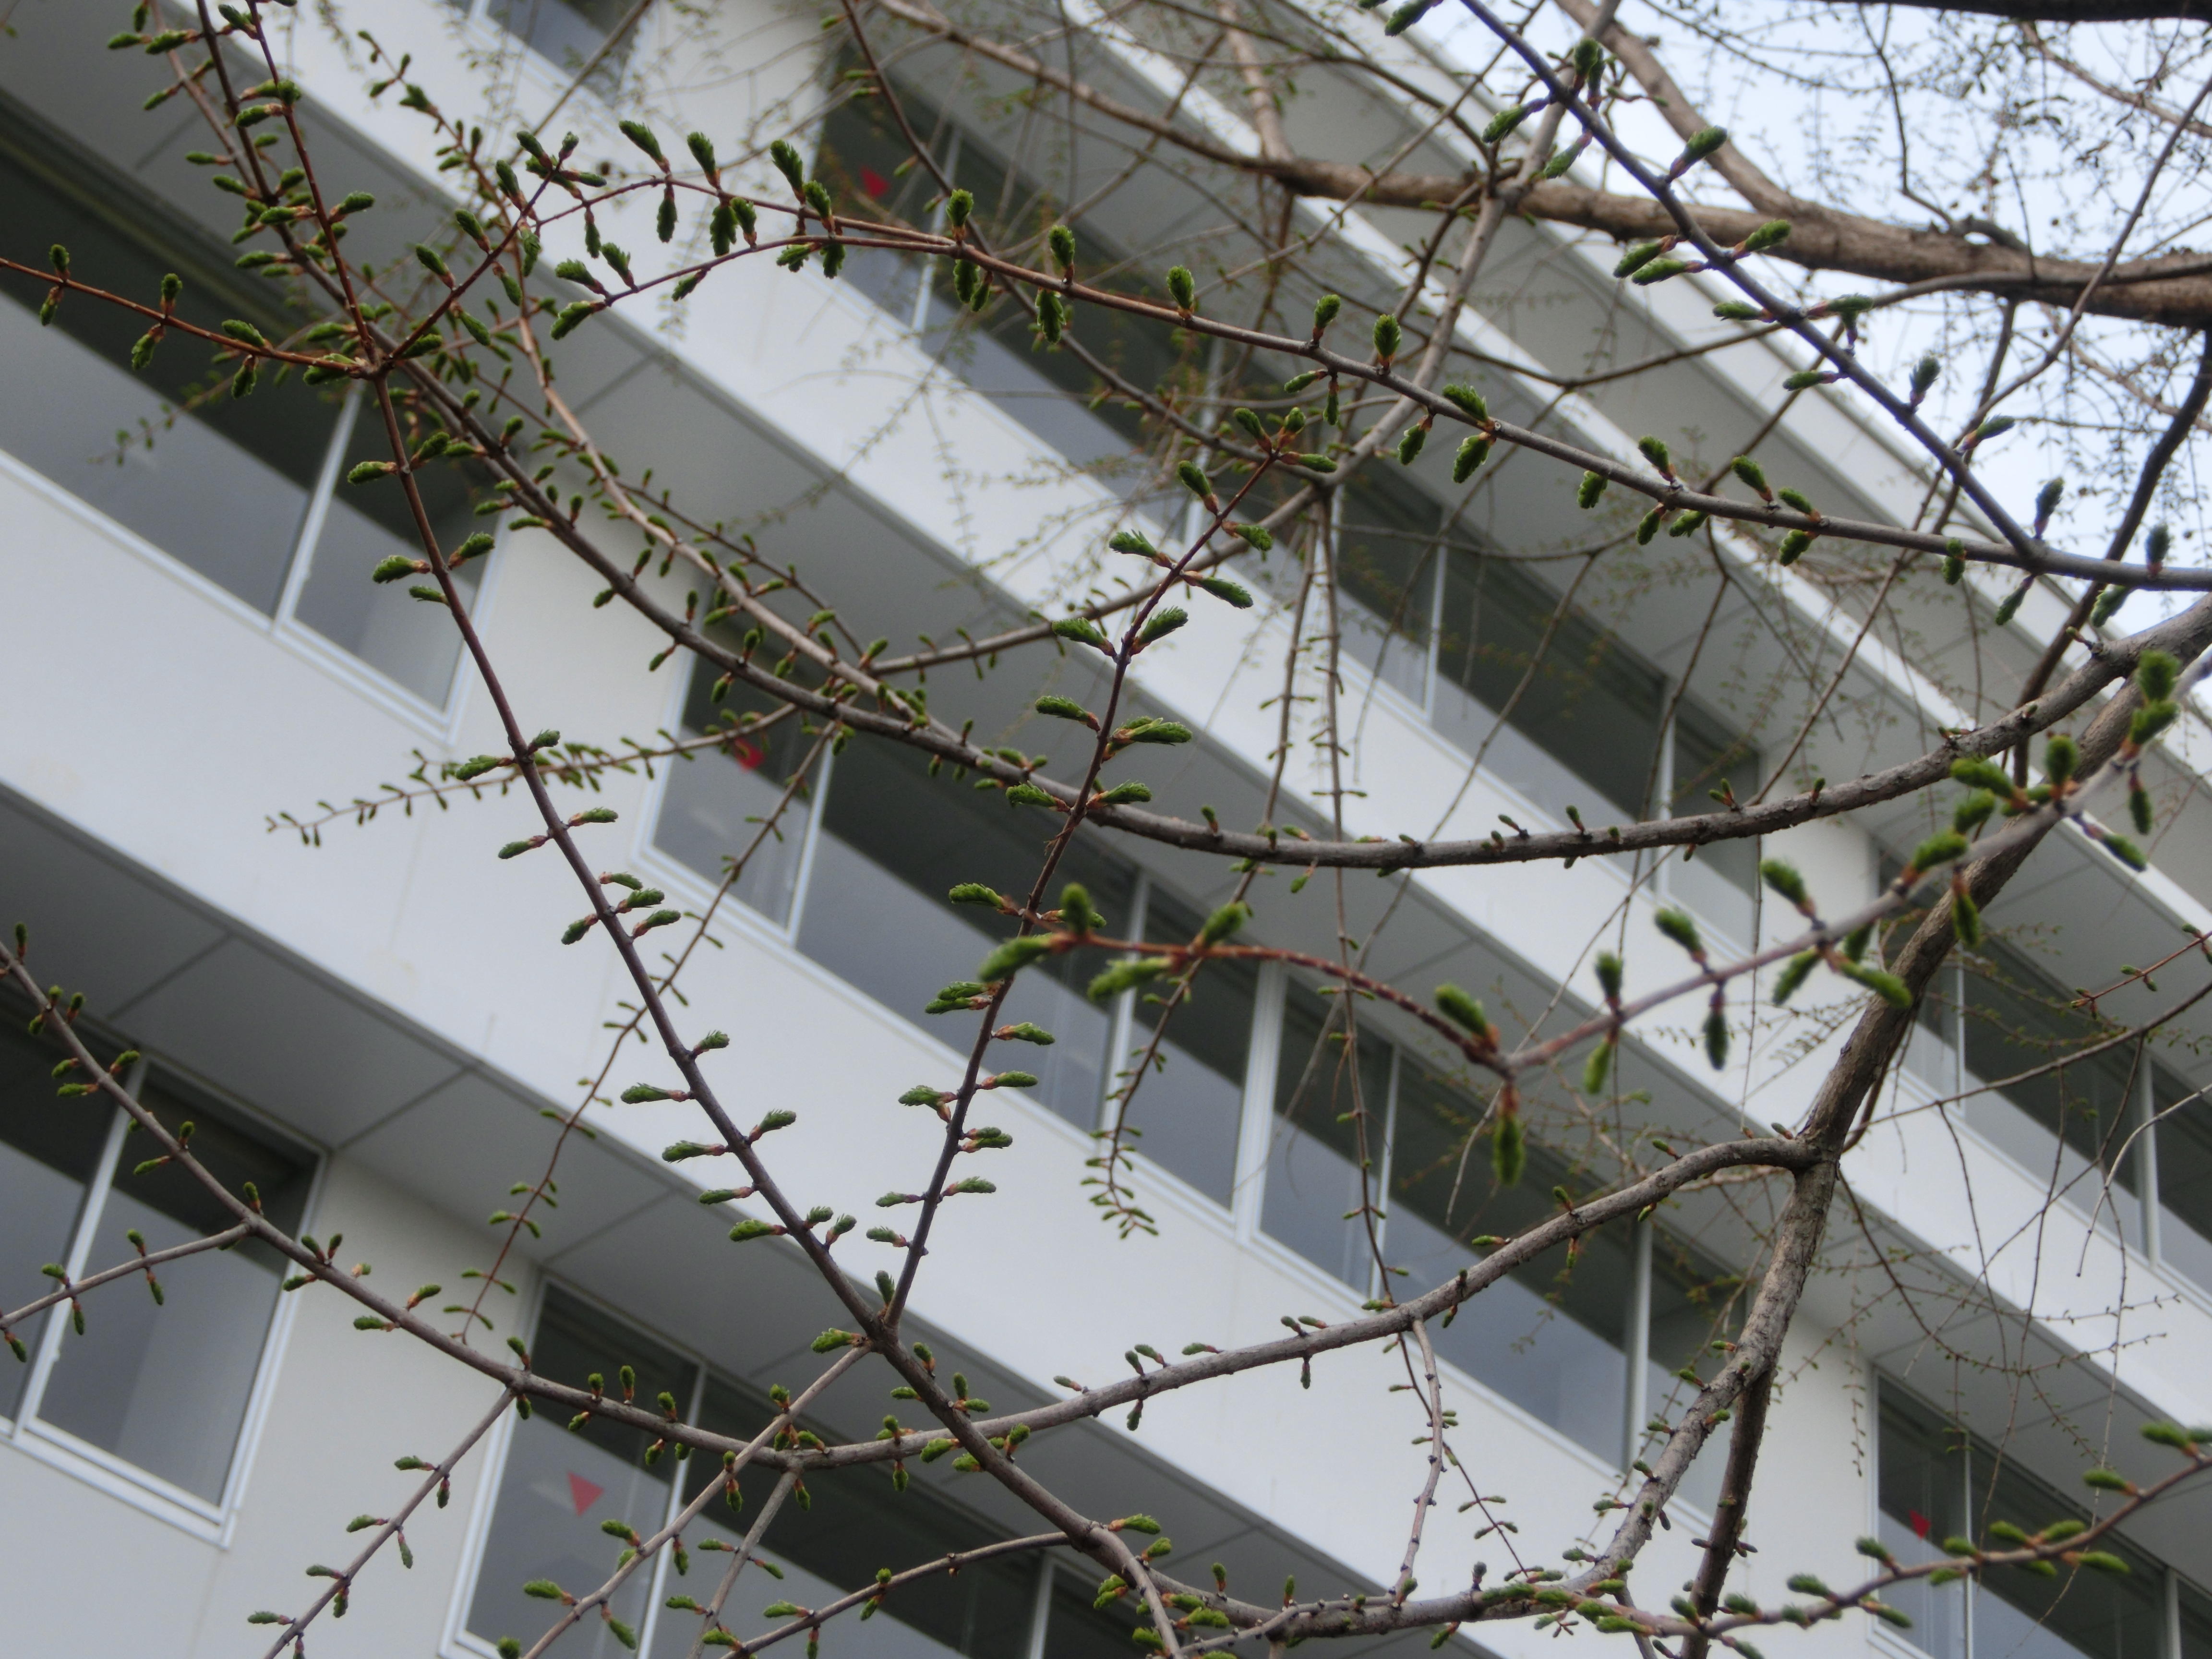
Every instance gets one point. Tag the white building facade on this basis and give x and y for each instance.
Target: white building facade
(381, 1032)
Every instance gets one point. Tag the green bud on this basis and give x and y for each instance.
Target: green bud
(1194, 479)
(1658, 272)
(1677, 925)
(788, 164)
(1063, 242)
(1738, 311)
(1503, 123)
(1325, 311)
(1183, 288)
(1229, 593)
(1943, 847)
(1609, 976)
(1794, 974)
(1509, 1152)
(1225, 923)
(1389, 334)
(1125, 975)
(2156, 675)
(1965, 918)
(1596, 1069)
(1469, 400)
(1409, 444)
(1786, 882)
(2060, 756)
(1716, 1037)
(1772, 234)
(1588, 491)
(1793, 547)
(1464, 1010)
(1700, 145)
(1012, 956)
(1751, 474)
(1162, 622)
(1473, 451)
(975, 892)
(1639, 254)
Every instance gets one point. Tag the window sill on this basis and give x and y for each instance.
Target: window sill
(145, 1492)
(437, 724)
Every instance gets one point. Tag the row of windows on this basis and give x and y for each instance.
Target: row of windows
(2103, 1127)
(162, 1388)
(1938, 1482)
(557, 1487)
(1434, 615)
(858, 880)
(246, 492)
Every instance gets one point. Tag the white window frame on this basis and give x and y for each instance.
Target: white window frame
(26, 1432)
(460, 1642)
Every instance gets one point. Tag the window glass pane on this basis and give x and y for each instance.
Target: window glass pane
(166, 1387)
(1188, 1108)
(1720, 881)
(2185, 1180)
(1548, 1337)
(1936, 1484)
(1051, 392)
(48, 1150)
(713, 805)
(2196, 1624)
(1590, 711)
(895, 842)
(2070, 1125)
(409, 641)
(1313, 1154)
(1922, 1484)
(2019, 1615)
(855, 1522)
(224, 488)
(567, 34)
(1075, 1630)
(1387, 553)
(556, 1487)
(1693, 1306)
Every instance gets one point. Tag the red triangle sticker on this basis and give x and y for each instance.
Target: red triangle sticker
(583, 1493)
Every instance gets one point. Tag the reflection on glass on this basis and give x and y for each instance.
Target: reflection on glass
(2185, 1179)
(1693, 1307)
(895, 842)
(49, 1149)
(1313, 1152)
(2069, 1126)
(166, 1388)
(1190, 1104)
(569, 33)
(867, 162)
(855, 1524)
(222, 487)
(1721, 881)
(1549, 1336)
(556, 1488)
(1587, 707)
(1388, 545)
(713, 805)
(410, 642)
(1936, 1484)
(1922, 1487)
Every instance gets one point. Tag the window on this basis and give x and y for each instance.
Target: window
(567, 34)
(161, 1387)
(1555, 1336)
(1937, 1482)
(247, 491)
(891, 843)
(868, 163)
(1559, 707)
(2116, 1118)
(556, 1488)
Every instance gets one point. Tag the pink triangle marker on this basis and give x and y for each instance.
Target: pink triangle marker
(583, 1493)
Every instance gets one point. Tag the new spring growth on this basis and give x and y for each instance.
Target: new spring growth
(1062, 241)
(1388, 336)
(1325, 311)
(1465, 1011)
(1600, 1064)
(2155, 546)
(1925, 374)
(1182, 288)
(2046, 503)
(1753, 476)
(788, 164)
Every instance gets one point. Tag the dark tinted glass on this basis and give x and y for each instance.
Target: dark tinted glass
(1189, 1105)
(896, 842)
(222, 486)
(49, 1148)
(1581, 696)
(1314, 1153)
(2015, 1023)
(1548, 1336)
(165, 1386)
(2184, 1178)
